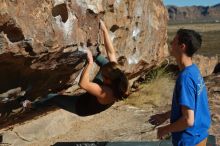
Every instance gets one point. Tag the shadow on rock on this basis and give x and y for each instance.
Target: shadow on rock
(217, 68)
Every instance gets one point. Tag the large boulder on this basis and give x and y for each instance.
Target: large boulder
(206, 64)
(42, 42)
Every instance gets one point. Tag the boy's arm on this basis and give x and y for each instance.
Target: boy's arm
(108, 43)
(187, 120)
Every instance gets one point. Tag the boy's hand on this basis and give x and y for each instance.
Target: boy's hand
(89, 57)
(161, 132)
(158, 119)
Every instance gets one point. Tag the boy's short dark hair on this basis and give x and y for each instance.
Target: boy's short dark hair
(191, 39)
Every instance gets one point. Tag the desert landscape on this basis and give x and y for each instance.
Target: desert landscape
(36, 71)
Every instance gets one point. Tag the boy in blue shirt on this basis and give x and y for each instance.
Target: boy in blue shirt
(189, 115)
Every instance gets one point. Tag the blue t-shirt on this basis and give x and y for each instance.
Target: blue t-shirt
(190, 91)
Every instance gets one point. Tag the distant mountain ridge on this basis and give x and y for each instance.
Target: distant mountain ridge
(194, 14)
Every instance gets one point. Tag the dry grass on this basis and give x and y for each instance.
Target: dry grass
(153, 94)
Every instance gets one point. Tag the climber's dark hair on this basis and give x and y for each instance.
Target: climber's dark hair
(191, 39)
(119, 81)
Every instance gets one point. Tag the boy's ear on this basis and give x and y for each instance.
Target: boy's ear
(183, 47)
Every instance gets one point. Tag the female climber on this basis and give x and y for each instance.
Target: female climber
(108, 86)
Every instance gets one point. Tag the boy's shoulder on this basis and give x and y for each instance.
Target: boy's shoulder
(189, 75)
(190, 71)
(184, 75)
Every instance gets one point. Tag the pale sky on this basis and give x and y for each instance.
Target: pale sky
(191, 2)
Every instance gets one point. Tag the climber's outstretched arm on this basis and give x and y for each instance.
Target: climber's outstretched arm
(103, 94)
(108, 43)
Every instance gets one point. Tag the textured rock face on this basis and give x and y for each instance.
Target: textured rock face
(206, 64)
(40, 40)
(213, 86)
